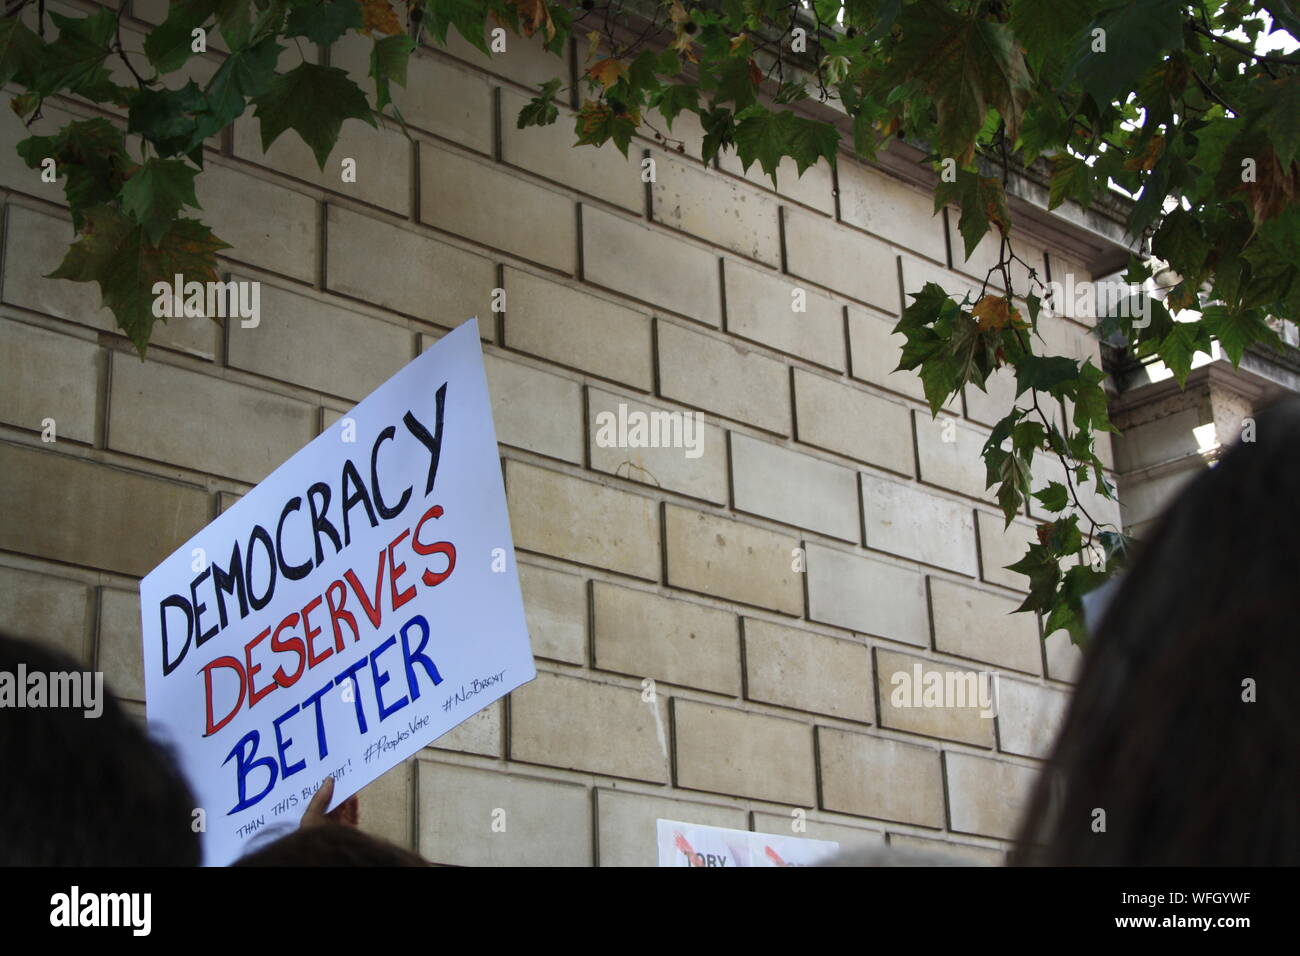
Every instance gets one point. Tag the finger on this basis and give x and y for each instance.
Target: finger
(320, 801)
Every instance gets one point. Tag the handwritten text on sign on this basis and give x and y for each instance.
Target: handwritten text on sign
(353, 607)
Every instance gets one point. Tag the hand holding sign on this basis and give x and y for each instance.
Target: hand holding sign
(353, 599)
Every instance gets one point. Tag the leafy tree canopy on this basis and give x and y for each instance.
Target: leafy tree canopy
(1192, 109)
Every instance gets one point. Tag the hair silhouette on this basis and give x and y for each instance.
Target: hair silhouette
(1160, 734)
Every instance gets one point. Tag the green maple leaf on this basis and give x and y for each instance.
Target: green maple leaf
(323, 23)
(389, 58)
(20, 50)
(1054, 497)
(167, 118)
(91, 154)
(1044, 373)
(171, 43)
(1044, 29)
(156, 193)
(242, 76)
(676, 98)
(541, 109)
(1279, 102)
(761, 136)
(810, 140)
(1137, 35)
(1237, 329)
(1177, 349)
(467, 16)
(1043, 569)
(981, 200)
(75, 61)
(968, 65)
(114, 252)
(313, 101)
(1072, 178)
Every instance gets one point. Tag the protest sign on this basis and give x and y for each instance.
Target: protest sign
(357, 604)
(692, 844)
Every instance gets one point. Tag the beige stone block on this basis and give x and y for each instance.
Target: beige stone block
(761, 307)
(384, 805)
(525, 60)
(652, 265)
(876, 777)
(974, 623)
(535, 410)
(841, 259)
(381, 155)
(492, 205)
(50, 610)
(816, 187)
(956, 710)
(206, 425)
(570, 327)
(716, 208)
(852, 422)
(730, 560)
(550, 152)
(875, 350)
(537, 822)
(1001, 546)
(417, 275)
(794, 488)
(996, 401)
(875, 201)
(723, 377)
(724, 750)
(986, 797)
(643, 634)
(1064, 657)
(906, 520)
(803, 670)
(60, 493)
(121, 642)
(669, 463)
(49, 379)
(35, 246)
(440, 96)
(555, 605)
(481, 733)
(950, 456)
(582, 521)
(917, 272)
(1029, 717)
(267, 224)
(627, 829)
(318, 345)
(578, 724)
(851, 590)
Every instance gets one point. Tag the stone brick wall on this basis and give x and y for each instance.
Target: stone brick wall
(771, 684)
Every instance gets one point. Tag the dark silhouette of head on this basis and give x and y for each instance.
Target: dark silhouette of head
(86, 791)
(1162, 734)
(330, 844)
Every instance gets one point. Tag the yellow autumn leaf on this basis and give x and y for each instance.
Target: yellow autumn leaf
(607, 71)
(993, 313)
(533, 16)
(1149, 156)
(378, 16)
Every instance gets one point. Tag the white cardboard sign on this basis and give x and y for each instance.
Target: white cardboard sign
(356, 605)
(694, 844)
